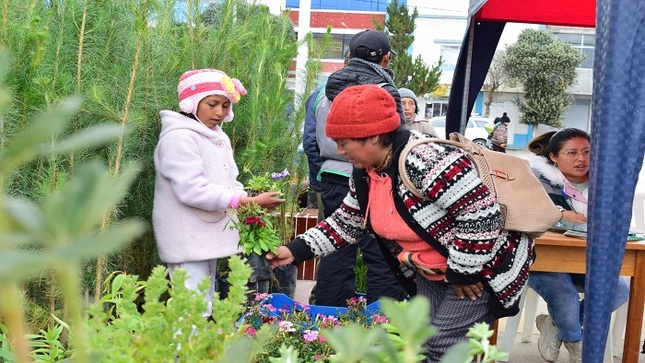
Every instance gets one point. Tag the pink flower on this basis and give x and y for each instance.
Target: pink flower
(310, 335)
(261, 296)
(317, 357)
(286, 326)
(250, 331)
(380, 319)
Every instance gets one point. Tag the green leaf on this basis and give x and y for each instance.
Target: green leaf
(18, 264)
(25, 215)
(90, 195)
(85, 139)
(458, 353)
(26, 145)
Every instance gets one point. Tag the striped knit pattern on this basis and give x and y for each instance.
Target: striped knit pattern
(460, 213)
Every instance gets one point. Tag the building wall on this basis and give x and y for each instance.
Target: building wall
(441, 24)
(341, 22)
(350, 5)
(340, 19)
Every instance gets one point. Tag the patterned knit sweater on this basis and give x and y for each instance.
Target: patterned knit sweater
(460, 213)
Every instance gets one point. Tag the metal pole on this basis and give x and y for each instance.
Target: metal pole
(304, 21)
(469, 59)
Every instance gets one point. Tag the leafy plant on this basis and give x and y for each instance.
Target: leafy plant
(301, 330)
(546, 67)
(402, 338)
(124, 58)
(47, 345)
(262, 230)
(60, 231)
(174, 327)
(257, 230)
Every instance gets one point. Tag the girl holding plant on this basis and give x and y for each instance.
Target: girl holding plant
(196, 187)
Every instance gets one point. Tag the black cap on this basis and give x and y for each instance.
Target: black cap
(370, 45)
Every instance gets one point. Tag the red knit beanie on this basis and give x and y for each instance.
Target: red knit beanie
(362, 111)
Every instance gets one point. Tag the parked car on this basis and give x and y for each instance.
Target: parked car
(474, 130)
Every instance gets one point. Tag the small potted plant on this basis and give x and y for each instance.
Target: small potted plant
(263, 231)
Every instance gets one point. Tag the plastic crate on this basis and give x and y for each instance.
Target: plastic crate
(282, 301)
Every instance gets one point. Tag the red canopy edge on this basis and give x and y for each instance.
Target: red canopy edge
(581, 13)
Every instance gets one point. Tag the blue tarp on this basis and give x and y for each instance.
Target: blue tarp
(617, 147)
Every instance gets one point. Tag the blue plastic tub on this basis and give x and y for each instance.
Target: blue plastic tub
(282, 301)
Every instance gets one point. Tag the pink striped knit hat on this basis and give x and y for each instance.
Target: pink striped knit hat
(195, 85)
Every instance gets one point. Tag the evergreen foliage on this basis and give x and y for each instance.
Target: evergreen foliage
(546, 67)
(410, 73)
(124, 58)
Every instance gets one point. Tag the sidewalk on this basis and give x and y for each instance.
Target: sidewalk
(520, 352)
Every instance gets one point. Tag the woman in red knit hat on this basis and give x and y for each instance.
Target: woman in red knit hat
(450, 248)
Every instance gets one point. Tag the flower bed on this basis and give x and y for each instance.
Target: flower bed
(300, 325)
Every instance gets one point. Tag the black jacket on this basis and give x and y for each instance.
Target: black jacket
(358, 72)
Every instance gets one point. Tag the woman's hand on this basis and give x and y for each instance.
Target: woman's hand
(268, 200)
(472, 291)
(283, 256)
(572, 216)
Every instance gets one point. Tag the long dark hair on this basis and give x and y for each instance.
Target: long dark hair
(552, 141)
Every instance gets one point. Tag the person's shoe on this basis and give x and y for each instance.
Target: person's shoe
(548, 343)
(575, 351)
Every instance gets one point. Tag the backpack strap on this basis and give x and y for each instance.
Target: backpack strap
(404, 154)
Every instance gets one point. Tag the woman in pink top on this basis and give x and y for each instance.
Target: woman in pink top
(450, 248)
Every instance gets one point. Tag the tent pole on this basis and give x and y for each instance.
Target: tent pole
(469, 60)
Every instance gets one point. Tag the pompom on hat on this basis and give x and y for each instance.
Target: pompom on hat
(198, 84)
(362, 111)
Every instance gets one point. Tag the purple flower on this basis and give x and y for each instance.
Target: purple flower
(280, 175)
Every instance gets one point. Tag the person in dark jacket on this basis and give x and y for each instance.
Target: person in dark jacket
(370, 55)
(309, 144)
(467, 265)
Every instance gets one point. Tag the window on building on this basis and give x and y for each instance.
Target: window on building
(449, 54)
(584, 43)
(436, 108)
(337, 47)
(353, 5)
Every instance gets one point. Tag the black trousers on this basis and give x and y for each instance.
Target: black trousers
(336, 282)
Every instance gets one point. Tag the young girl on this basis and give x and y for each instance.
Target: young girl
(196, 187)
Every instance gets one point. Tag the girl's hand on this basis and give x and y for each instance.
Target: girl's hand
(282, 257)
(472, 291)
(572, 216)
(268, 200)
